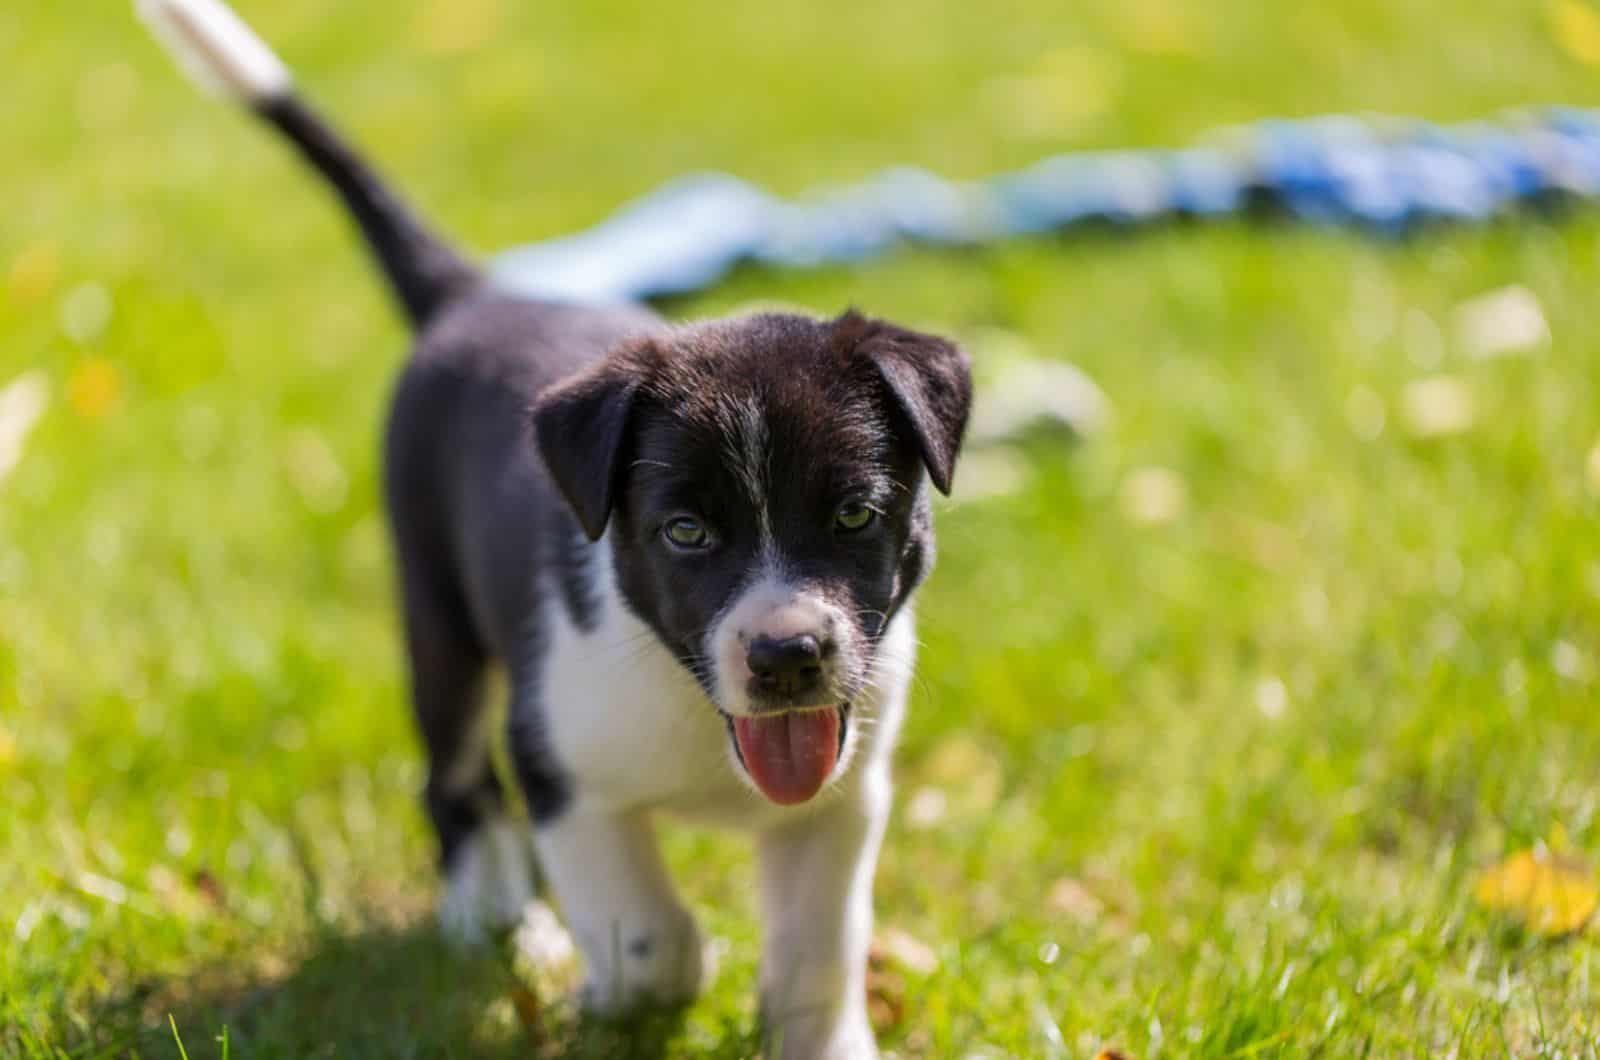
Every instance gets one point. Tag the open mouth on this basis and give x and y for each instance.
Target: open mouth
(790, 754)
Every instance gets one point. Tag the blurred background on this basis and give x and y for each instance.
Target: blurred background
(1257, 721)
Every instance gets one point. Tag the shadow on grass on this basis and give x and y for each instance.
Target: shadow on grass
(391, 993)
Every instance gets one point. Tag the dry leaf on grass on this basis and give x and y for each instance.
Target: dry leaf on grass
(208, 887)
(906, 950)
(1576, 27)
(526, 1003)
(95, 388)
(1548, 893)
(886, 992)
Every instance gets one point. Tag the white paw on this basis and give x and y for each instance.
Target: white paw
(652, 958)
(490, 885)
(819, 1032)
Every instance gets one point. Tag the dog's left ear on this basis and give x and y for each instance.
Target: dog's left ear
(930, 380)
(581, 424)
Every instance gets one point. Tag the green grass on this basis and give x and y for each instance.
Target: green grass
(206, 767)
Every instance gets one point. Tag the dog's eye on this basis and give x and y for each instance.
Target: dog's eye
(687, 532)
(853, 517)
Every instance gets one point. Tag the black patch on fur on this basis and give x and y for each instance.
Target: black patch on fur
(573, 565)
(580, 426)
(931, 380)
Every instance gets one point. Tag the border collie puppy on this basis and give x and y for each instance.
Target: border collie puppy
(692, 549)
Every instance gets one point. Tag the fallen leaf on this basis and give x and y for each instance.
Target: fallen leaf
(1438, 406)
(1549, 894)
(886, 994)
(33, 273)
(209, 888)
(94, 388)
(1576, 27)
(1111, 1054)
(526, 1002)
(906, 950)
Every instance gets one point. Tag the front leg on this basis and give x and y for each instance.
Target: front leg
(639, 942)
(816, 881)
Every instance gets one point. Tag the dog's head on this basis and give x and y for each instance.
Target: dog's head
(763, 482)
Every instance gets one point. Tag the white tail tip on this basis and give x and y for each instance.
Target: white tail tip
(216, 48)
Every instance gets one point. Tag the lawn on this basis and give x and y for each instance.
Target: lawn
(1210, 772)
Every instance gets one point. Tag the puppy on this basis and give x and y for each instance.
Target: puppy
(691, 548)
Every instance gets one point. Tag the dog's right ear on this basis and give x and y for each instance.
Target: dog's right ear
(581, 425)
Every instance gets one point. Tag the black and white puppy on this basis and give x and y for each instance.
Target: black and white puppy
(691, 548)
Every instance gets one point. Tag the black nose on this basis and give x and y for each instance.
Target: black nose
(790, 667)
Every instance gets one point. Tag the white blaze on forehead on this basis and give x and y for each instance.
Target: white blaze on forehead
(770, 607)
(747, 448)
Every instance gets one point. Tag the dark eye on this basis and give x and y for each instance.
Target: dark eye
(687, 532)
(853, 517)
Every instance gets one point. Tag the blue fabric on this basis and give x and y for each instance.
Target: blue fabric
(1383, 174)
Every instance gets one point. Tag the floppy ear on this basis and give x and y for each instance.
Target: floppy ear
(930, 380)
(581, 424)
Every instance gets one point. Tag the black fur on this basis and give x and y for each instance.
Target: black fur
(424, 270)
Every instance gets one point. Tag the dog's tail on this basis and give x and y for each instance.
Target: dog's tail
(224, 55)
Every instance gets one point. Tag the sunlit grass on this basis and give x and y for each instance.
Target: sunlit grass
(1208, 776)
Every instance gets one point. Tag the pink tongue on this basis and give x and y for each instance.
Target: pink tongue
(790, 755)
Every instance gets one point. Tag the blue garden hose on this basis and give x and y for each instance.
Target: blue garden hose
(1387, 175)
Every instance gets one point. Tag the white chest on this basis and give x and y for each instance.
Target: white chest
(628, 721)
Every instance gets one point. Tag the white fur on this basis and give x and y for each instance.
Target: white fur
(491, 883)
(771, 607)
(216, 48)
(640, 737)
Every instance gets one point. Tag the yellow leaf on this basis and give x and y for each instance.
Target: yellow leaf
(1550, 895)
(8, 746)
(95, 388)
(451, 27)
(1576, 26)
(33, 273)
